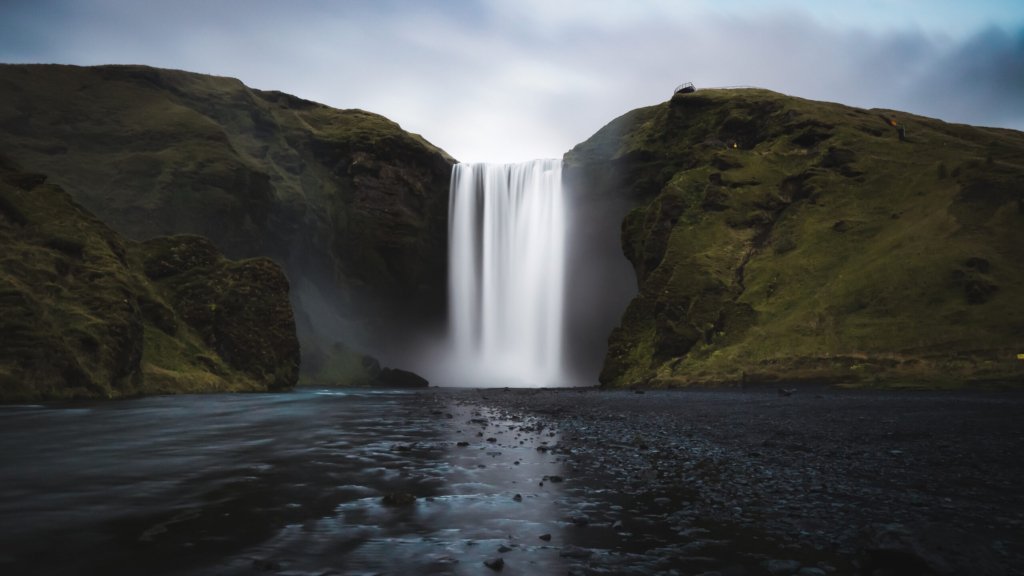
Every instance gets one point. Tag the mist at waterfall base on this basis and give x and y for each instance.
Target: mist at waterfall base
(537, 279)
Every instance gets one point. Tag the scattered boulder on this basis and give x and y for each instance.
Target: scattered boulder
(893, 549)
(575, 552)
(781, 567)
(398, 378)
(398, 499)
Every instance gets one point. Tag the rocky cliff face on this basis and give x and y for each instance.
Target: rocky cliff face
(87, 314)
(777, 238)
(353, 207)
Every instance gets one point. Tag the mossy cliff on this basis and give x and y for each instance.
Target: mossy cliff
(353, 207)
(775, 238)
(87, 314)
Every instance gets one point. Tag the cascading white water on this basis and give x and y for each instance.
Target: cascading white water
(506, 286)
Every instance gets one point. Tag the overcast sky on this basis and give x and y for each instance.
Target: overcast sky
(510, 80)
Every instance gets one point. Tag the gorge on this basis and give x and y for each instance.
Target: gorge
(719, 238)
(796, 266)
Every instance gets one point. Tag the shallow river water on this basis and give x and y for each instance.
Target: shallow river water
(548, 481)
(296, 483)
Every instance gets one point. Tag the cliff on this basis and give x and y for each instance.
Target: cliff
(780, 239)
(353, 207)
(87, 314)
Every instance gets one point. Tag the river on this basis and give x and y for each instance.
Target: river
(549, 481)
(229, 484)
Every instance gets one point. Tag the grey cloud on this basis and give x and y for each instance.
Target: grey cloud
(980, 82)
(504, 81)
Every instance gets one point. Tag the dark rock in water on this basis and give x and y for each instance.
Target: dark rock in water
(545, 537)
(398, 499)
(894, 549)
(518, 497)
(495, 564)
(398, 378)
(781, 567)
(266, 565)
(579, 519)
(576, 552)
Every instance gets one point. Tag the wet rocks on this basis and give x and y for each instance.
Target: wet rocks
(496, 564)
(781, 567)
(579, 519)
(575, 552)
(398, 499)
(398, 378)
(782, 485)
(892, 549)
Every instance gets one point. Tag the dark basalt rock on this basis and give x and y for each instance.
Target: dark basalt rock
(398, 499)
(240, 309)
(397, 378)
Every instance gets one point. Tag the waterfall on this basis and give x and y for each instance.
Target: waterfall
(506, 286)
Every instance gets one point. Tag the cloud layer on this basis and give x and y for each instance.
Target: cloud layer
(507, 81)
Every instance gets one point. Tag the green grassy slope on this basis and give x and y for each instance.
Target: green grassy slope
(345, 200)
(776, 238)
(86, 314)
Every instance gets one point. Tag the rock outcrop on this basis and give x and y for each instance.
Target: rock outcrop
(87, 314)
(353, 207)
(775, 238)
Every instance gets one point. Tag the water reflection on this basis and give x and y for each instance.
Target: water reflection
(294, 483)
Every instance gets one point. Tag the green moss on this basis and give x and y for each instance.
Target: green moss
(778, 238)
(158, 152)
(80, 319)
(341, 366)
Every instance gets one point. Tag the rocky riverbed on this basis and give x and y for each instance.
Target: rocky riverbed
(795, 481)
(530, 481)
